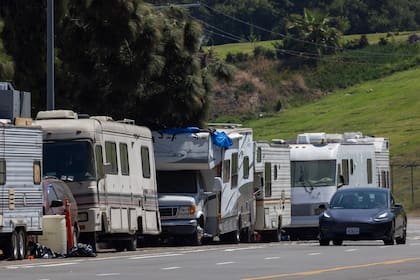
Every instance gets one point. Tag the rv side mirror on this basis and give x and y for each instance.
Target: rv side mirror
(218, 184)
(340, 181)
(107, 168)
(57, 203)
(322, 207)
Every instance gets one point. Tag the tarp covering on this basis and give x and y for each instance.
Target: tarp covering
(219, 138)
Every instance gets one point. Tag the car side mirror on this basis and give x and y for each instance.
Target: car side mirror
(57, 203)
(218, 184)
(398, 205)
(322, 207)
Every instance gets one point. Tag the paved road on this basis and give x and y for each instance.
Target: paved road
(284, 260)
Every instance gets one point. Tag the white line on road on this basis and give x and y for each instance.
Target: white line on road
(350, 250)
(155, 256)
(271, 258)
(56, 264)
(171, 268)
(224, 263)
(314, 254)
(246, 248)
(107, 274)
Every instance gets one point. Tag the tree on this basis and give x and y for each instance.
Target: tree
(310, 36)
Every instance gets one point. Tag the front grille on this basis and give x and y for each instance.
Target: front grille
(168, 211)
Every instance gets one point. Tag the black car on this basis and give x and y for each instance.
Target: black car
(363, 213)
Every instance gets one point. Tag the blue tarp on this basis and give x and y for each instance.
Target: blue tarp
(219, 138)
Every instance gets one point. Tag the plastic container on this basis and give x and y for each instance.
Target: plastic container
(54, 234)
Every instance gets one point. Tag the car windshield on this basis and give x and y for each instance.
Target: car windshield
(69, 160)
(316, 173)
(359, 200)
(176, 182)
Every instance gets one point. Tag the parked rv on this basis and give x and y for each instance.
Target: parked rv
(205, 183)
(20, 186)
(109, 166)
(321, 163)
(272, 185)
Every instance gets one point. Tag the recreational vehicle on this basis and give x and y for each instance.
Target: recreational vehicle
(205, 183)
(21, 197)
(272, 185)
(110, 168)
(321, 163)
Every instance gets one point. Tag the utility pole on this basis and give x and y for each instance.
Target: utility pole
(50, 55)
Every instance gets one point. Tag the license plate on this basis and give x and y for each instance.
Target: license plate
(352, 231)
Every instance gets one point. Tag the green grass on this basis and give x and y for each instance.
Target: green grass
(387, 107)
(222, 50)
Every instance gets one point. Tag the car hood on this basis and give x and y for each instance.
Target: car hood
(355, 215)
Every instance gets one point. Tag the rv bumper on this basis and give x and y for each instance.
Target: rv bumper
(179, 227)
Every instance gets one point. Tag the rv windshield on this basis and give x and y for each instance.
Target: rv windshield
(176, 181)
(316, 173)
(69, 160)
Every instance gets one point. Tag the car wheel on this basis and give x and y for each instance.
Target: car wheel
(403, 238)
(391, 238)
(22, 244)
(197, 236)
(338, 242)
(14, 246)
(131, 243)
(324, 242)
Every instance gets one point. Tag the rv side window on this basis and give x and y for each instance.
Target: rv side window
(259, 154)
(111, 156)
(226, 171)
(37, 172)
(125, 168)
(345, 164)
(369, 170)
(338, 173)
(275, 172)
(145, 161)
(267, 179)
(246, 167)
(234, 170)
(2, 172)
(351, 167)
(99, 161)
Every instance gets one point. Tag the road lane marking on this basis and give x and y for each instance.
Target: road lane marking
(224, 263)
(271, 258)
(245, 248)
(171, 268)
(56, 264)
(350, 250)
(107, 274)
(339, 268)
(314, 254)
(154, 256)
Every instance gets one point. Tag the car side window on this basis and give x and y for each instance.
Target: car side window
(392, 201)
(52, 195)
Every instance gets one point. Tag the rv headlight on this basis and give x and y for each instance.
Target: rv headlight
(382, 217)
(187, 210)
(82, 217)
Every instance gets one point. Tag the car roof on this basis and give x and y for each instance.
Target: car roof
(355, 189)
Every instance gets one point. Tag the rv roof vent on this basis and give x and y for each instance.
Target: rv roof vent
(278, 141)
(103, 118)
(317, 138)
(352, 136)
(56, 114)
(127, 121)
(335, 138)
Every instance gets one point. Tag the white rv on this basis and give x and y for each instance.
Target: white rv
(272, 185)
(320, 163)
(110, 168)
(205, 190)
(21, 196)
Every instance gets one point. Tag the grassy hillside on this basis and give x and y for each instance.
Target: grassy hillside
(387, 107)
(222, 50)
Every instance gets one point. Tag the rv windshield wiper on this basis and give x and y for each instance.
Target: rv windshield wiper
(306, 184)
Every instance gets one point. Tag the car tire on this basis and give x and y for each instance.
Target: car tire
(131, 244)
(337, 242)
(324, 242)
(391, 238)
(22, 244)
(402, 239)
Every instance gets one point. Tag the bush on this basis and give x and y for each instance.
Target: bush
(236, 57)
(260, 51)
